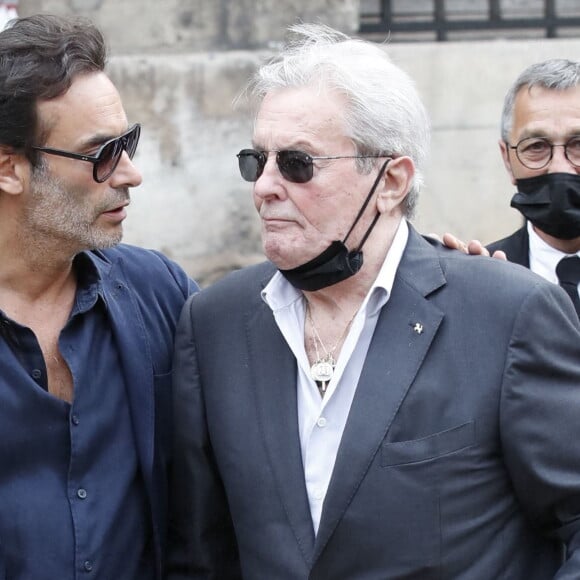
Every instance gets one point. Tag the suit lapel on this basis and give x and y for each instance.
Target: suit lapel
(405, 330)
(520, 252)
(516, 247)
(275, 397)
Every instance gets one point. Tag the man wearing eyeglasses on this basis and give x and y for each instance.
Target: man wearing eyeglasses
(86, 324)
(540, 146)
(368, 404)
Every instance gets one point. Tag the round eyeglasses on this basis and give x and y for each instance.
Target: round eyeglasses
(537, 152)
(106, 159)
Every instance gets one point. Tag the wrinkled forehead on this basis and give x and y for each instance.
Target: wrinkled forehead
(546, 112)
(291, 115)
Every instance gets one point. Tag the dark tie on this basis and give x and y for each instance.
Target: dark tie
(568, 272)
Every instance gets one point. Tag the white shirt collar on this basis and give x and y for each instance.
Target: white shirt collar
(543, 257)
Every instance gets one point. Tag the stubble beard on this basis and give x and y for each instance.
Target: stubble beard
(62, 215)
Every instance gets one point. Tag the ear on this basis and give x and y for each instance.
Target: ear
(505, 155)
(397, 181)
(12, 171)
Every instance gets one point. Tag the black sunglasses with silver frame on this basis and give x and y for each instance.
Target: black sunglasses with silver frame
(294, 165)
(106, 159)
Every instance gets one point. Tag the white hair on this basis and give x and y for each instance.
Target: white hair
(384, 114)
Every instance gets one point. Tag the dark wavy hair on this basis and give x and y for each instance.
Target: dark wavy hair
(40, 56)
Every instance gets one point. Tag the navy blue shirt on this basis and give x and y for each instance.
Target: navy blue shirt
(72, 500)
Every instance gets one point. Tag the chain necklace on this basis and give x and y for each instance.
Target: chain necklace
(322, 370)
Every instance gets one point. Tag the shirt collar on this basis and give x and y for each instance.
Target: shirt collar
(279, 293)
(543, 257)
(89, 283)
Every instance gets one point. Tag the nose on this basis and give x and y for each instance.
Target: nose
(559, 162)
(126, 173)
(271, 182)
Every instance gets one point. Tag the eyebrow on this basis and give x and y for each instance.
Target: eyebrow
(574, 132)
(296, 146)
(98, 140)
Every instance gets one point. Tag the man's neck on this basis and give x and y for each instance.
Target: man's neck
(350, 293)
(567, 246)
(32, 273)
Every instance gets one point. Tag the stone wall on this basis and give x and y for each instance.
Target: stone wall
(176, 77)
(153, 26)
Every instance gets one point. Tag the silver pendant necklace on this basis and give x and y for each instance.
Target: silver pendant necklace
(322, 370)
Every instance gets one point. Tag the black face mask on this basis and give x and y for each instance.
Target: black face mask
(551, 202)
(336, 263)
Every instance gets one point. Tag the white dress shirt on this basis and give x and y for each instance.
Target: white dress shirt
(543, 257)
(321, 421)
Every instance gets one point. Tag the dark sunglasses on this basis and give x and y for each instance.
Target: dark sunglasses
(295, 166)
(107, 158)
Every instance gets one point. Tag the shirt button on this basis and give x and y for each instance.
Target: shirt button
(36, 373)
(321, 422)
(82, 493)
(75, 419)
(88, 565)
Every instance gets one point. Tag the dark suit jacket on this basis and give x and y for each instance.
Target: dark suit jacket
(145, 292)
(516, 247)
(460, 457)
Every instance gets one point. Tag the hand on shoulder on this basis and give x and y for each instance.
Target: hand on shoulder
(472, 248)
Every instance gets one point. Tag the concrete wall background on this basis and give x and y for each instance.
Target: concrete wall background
(179, 65)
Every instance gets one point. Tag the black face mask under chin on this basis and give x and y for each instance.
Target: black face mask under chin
(551, 202)
(336, 263)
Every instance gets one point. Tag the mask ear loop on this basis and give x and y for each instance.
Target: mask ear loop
(364, 206)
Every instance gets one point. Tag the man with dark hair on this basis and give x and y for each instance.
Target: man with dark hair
(86, 325)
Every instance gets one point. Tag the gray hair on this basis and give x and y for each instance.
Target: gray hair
(557, 74)
(384, 113)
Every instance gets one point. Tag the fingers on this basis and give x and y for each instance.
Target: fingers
(473, 247)
(476, 248)
(500, 255)
(454, 243)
